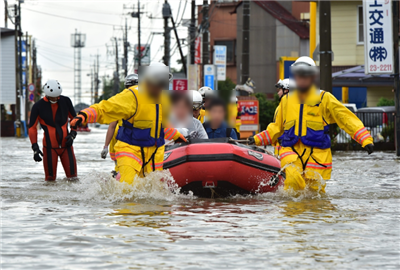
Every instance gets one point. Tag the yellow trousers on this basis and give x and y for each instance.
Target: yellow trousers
(309, 167)
(130, 161)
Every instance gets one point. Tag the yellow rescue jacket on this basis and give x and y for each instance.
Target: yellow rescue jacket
(309, 121)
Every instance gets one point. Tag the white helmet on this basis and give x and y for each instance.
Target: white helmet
(197, 100)
(304, 66)
(284, 84)
(52, 88)
(158, 68)
(206, 91)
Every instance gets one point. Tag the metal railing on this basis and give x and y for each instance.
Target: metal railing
(379, 124)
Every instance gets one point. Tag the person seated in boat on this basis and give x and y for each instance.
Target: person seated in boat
(198, 111)
(112, 131)
(140, 146)
(53, 113)
(181, 116)
(217, 127)
(282, 88)
(303, 118)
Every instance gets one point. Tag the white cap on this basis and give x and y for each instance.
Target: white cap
(304, 66)
(52, 88)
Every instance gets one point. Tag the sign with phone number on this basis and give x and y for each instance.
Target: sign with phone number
(378, 36)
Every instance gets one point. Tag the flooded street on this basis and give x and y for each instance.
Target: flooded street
(97, 223)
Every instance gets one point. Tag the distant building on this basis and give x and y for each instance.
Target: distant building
(276, 30)
(348, 48)
(7, 82)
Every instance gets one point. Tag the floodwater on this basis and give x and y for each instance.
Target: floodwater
(97, 223)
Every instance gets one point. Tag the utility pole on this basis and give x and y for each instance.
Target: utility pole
(139, 44)
(126, 45)
(166, 11)
(96, 79)
(126, 49)
(178, 41)
(245, 70)
(192, 31)
(5, 13)
(18, 60)
(116, 73)
(27, 46)
(395, 10)
(205, 25)
(325, 45)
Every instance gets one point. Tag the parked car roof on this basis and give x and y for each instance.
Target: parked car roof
(351, 106)
(378, 109)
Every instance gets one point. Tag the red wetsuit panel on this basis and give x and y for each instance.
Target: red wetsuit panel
(53, 119)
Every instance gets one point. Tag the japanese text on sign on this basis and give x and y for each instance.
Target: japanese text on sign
(180, 84)
(249, 112)
(378, 43)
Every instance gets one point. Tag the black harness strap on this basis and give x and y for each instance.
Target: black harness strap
(152, 158)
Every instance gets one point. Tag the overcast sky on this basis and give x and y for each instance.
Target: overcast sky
(44, 21)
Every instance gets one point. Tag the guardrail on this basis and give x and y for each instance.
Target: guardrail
(379, 124)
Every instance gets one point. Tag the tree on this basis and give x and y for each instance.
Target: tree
(225, 89)
(108, 86)
(385, 102)
(267, 109)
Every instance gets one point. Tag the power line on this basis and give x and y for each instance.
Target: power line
(54, 61)
(68, 18)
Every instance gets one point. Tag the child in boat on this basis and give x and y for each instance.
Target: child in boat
(217, 127)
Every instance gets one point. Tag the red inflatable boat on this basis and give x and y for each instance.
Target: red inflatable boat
(221, 168)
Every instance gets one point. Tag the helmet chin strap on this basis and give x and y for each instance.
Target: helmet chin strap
(53, 101)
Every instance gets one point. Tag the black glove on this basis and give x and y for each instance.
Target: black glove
(36, 152)
(369, 148)
(70, 138)
(251, 140)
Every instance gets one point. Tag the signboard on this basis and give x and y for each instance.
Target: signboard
(23, 62)
(192, 77)
(284, 66)
(220, 61)
(144, 53)
(378, 36)
(31, 87)
(249, 110)
(197, 53)
(31, 97)
(209, 76)
(180, 84)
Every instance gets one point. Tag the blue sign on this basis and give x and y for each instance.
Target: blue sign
(31, 97)
(23, 45)
(209, 76)
(23, 62)
(209, 81)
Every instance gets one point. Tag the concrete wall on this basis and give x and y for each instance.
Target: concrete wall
(7, 70)
(374, 93)
(262, 48)
(223, 27)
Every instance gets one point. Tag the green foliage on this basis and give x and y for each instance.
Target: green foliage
(225, 89)
(385, 102)
(267, 109)
(108, 86)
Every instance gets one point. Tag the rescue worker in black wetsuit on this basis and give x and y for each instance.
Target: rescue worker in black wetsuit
(53, 112)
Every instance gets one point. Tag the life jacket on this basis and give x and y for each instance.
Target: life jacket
(305, 122)
(201, 115)
(144, 127)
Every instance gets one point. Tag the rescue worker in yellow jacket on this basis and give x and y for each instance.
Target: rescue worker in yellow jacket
(140, 146)
(112, 131)
(303, 120)
(282, 88)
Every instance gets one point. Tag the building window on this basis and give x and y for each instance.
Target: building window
(360, 26)
(230, 50)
